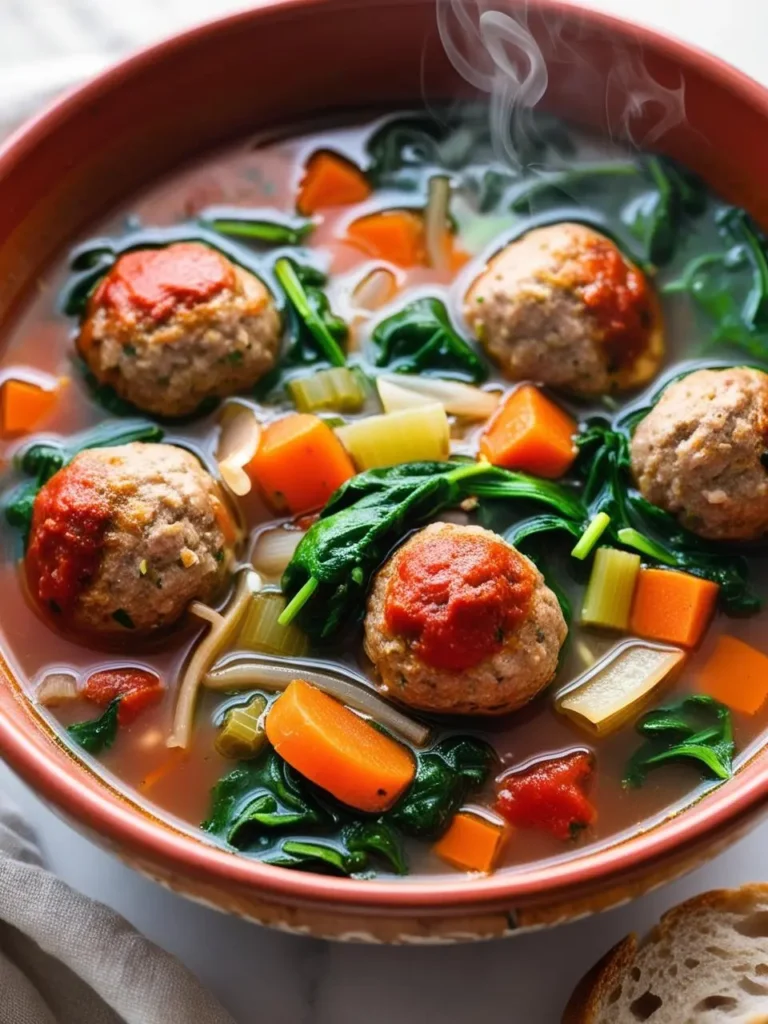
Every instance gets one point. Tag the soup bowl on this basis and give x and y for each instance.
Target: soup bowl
(282, 62)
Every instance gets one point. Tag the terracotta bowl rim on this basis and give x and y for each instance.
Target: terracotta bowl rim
(128, 828)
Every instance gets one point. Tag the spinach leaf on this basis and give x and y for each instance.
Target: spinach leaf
(554, 186)
(264, 227)
(328, 576)
(421, 339)
(604, 466)
(697, 729)
(40, 461)
(444, 776)
(317, 332)
(97, 734)
(400, 147)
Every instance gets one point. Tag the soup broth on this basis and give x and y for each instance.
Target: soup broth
(658, 217)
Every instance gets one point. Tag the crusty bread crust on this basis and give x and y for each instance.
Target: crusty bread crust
(604, 995)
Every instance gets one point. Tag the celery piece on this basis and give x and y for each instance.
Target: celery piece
(594, 531)
(634, 539)
(411, 435)
(608, 599)
(338, 388)
(242, 733)
(262, 630)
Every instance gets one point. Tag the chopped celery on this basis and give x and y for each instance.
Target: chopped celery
(337, 388)
(262, 631)
(608, 599)
(594, 531)
(411, 435)
(634, 539)
(242, 733)
(618, 687)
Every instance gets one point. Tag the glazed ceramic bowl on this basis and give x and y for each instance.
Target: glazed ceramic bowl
(288, 60)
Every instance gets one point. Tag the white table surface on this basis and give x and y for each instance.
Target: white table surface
(270, 978)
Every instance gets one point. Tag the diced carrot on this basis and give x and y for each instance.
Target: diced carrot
(225, 520)
(736, 674)
(672, 606)
(531, 433)
(138, 689)
(330, 180)
(471, 843)
(393, 235)
(23, 405)
(337, 750)
(300, 463)
(175, 759)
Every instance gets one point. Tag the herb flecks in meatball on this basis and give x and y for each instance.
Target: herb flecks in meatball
(563, 306)
(122, 539)
(168, 328)
(699, 453)
(449, 633)
(458, 596)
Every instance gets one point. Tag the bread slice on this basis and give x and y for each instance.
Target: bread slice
(706, 962)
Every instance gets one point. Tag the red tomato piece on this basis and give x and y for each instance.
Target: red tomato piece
(549, 795)
(138, 688)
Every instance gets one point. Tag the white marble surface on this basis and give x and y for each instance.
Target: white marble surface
(270, 978)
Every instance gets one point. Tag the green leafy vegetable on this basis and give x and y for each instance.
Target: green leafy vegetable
(318, 332)
(41, 461)
(696, 729)
(328, 576)
(266, 808)
(559, 185)
(99, 733)
(421, 339)
(261, 226)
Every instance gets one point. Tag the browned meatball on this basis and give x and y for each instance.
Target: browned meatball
(168, 328)
(699, 453)
(122, 539)
(563, 306)
(459, 622)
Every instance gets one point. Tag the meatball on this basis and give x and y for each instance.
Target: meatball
(563, 306)
(459, 622)
(168, 328)
(122, 539)
(699, 453)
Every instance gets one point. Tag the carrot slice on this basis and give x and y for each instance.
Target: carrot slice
(672, 606)
(337, 750)
(137, 687)
(330, 180)
(300, 463)
(471, 843)
(531, 433)
(736, 674)
(393, 235)
(23, 405)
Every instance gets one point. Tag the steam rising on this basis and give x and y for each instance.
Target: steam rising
(495, 51)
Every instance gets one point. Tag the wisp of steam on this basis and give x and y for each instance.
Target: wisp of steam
(493, 49)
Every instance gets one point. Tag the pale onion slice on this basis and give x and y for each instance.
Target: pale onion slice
(375, 290)
(238, 443)
(619, 686)
(223, 628)
(457, 399)
(57, 688)
(274, 550)
(354, 690)
(437, 240)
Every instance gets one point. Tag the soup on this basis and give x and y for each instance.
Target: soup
(377, 509)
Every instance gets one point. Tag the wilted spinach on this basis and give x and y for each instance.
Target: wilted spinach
(421, 339)
(99, 733)
(263, 227)
(697, 729)
(316, 332)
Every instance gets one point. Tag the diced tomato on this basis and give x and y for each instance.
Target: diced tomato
(138, 687)
(549, 795)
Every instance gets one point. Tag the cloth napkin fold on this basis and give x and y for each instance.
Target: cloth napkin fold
(66, 959)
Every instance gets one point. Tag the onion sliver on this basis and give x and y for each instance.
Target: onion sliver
(238, 443)
(375, 290)
(57, 688)
(618, 686)
(456, 398)
(346, 686)
(274, 550)
(223, 628)
(436, 228)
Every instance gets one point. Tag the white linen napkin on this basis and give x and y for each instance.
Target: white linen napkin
(66, 959)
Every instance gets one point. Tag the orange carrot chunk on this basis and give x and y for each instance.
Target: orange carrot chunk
(23, 405)
(300, 463)
(672, 606)
(471, 843)
(531, 433)
(337, 750)
(736, 675)
(330, 180)
(393, 235)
